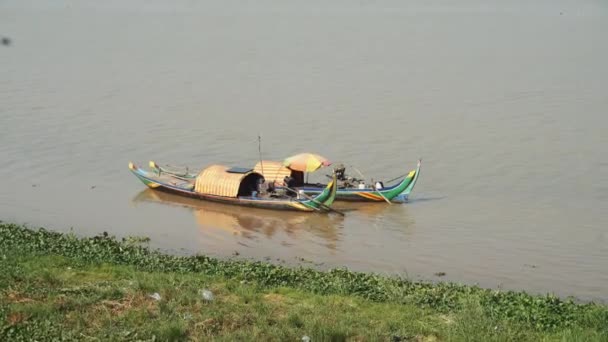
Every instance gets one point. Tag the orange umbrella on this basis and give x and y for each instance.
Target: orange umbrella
(306, 162)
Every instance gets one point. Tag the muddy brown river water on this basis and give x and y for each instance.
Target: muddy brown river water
(506, 102)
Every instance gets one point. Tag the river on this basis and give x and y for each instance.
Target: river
(505, 102)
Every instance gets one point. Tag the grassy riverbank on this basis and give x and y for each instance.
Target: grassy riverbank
(55, 285)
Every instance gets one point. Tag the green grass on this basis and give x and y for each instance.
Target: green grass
(55, 286)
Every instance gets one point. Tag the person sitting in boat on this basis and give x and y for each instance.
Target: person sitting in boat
(290, 183)
(270, 188)
(257, 188)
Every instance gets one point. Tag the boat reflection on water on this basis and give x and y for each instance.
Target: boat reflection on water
(251, 223)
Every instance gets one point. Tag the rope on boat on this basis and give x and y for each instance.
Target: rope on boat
(388, 181)
(175, 169)
(396, 178)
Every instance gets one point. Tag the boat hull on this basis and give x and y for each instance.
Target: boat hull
(399, 192)
(326, 197)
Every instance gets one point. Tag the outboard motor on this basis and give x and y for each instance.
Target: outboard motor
(340, 172)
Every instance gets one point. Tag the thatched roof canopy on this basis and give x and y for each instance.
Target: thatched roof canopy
(220, 180)
(274, 171)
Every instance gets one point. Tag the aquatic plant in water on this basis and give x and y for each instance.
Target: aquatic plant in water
(538, 312)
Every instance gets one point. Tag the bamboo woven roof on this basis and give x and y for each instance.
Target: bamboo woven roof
(273, 171)
(214, 180)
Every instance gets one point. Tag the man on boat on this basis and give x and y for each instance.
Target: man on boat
(258, 188)
(290, 183)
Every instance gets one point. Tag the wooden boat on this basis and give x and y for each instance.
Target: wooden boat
(238, 186)
(397, 192)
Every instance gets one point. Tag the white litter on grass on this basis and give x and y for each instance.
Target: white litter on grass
(155, 296)
(305, 338)
(207, 295)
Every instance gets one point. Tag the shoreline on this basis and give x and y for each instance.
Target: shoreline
(447, 308)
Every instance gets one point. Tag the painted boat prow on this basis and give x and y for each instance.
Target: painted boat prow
(141, 175)
(333, 190)
(404, 196)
